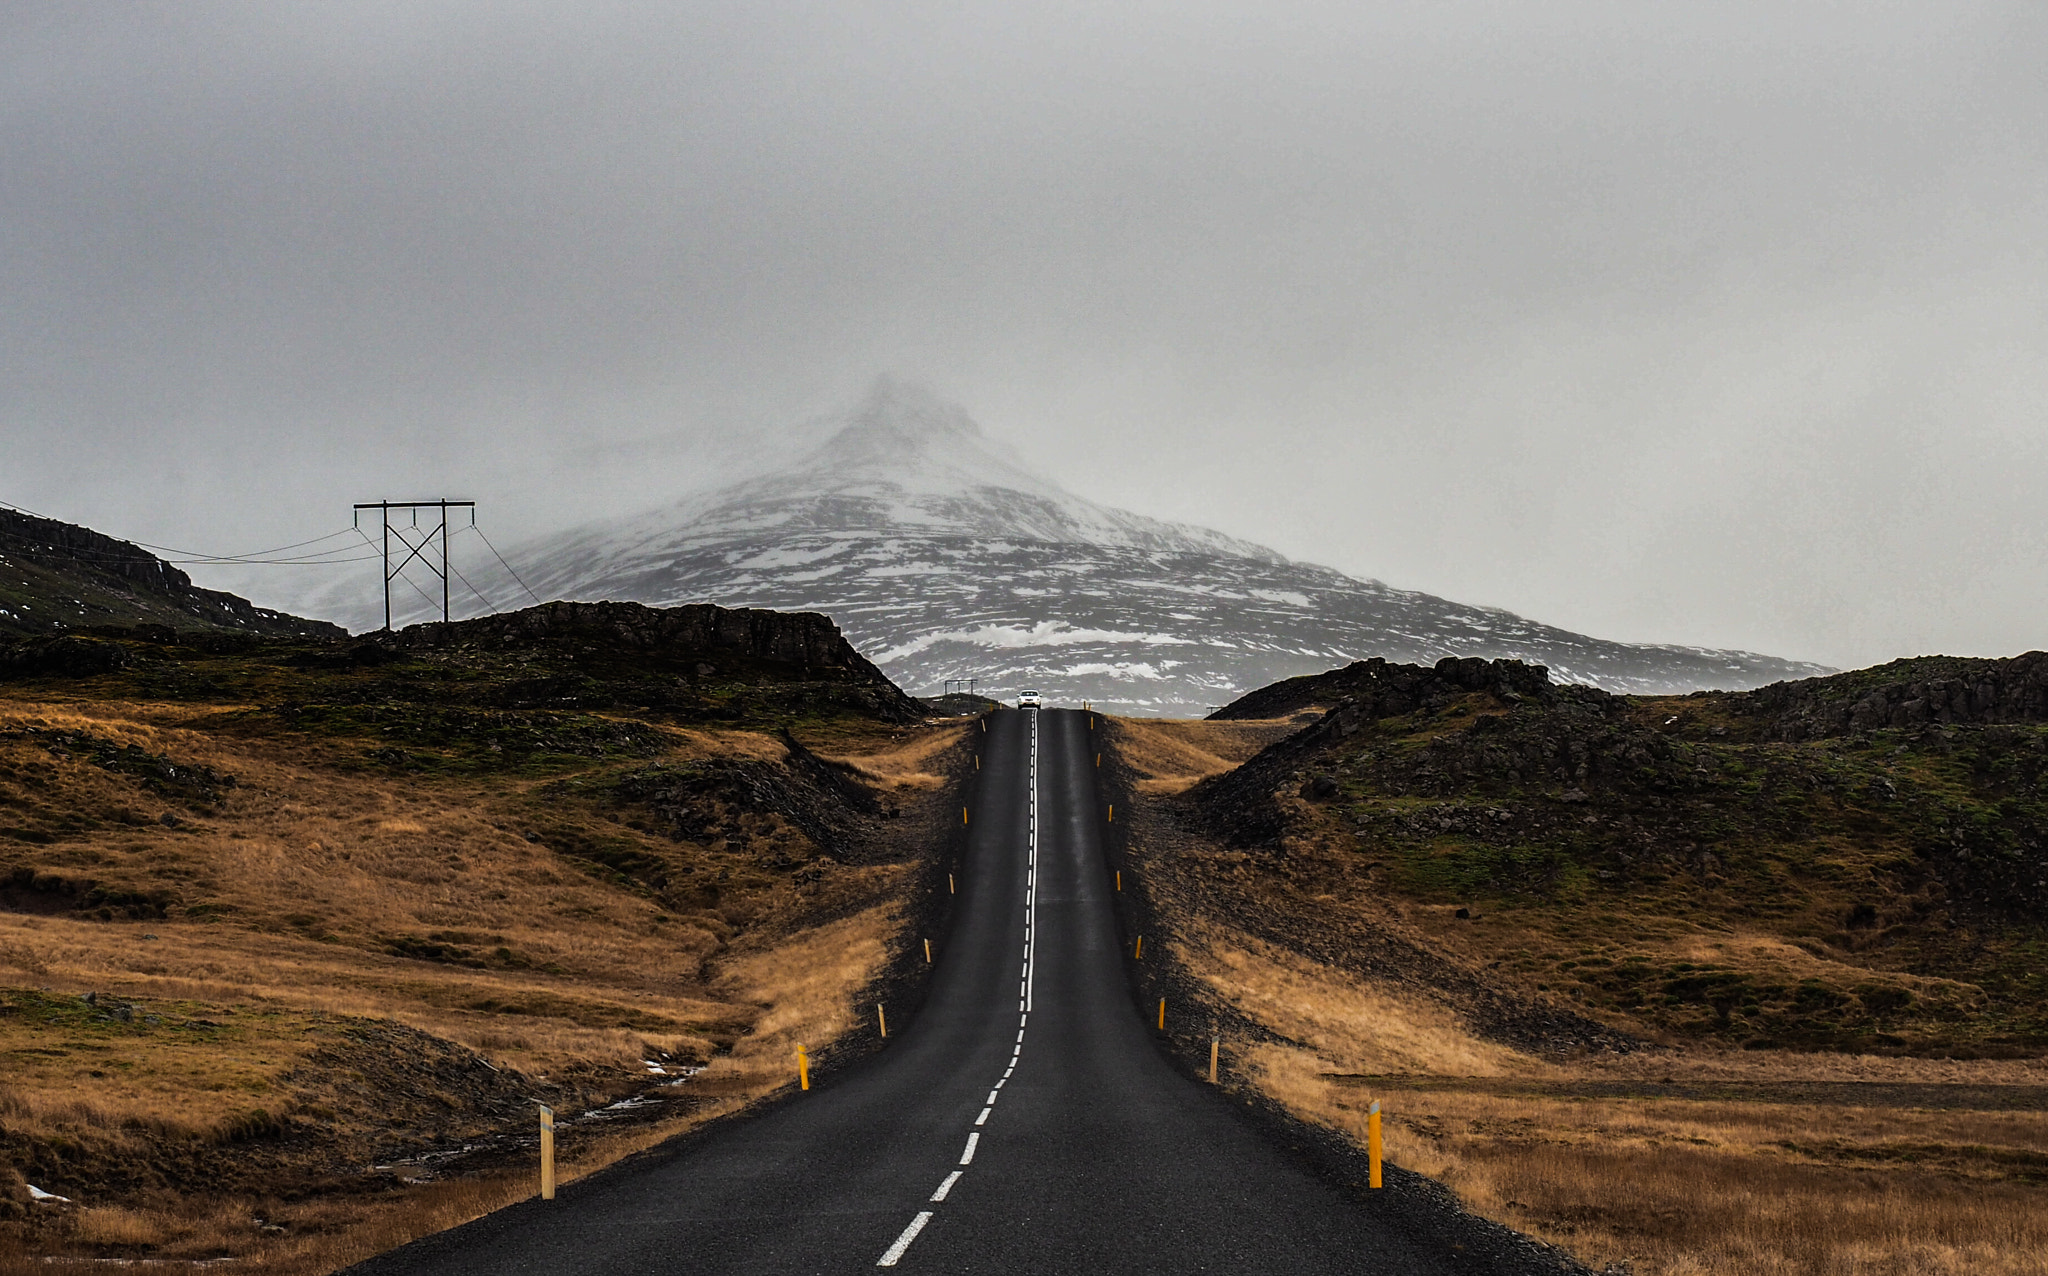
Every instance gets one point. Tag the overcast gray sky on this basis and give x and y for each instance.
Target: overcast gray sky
(1718, 323)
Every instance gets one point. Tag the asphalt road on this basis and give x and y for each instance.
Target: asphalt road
(1024, 1123)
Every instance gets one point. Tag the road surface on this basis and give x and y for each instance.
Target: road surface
(1023, 1123)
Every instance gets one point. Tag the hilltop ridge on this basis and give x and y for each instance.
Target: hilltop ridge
(1886, 820)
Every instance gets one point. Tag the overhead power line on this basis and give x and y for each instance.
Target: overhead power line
(417, 590)
(190, 557)
(283, 555)
(86, 556)
(508, 567)
(254, 555)
(474, 590)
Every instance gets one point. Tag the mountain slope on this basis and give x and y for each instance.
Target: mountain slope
(56, 578)
(943, 557)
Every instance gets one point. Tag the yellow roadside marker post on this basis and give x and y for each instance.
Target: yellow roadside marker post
(1139, 954)
(1372, 1140)
(881, 1020)
(547, 1153)
(1119, 879)
(1162, 1014)
(803, 1068)
(963, 815)
(1215, 1045)
(949, 884)
(927, 952)
(1112, 813)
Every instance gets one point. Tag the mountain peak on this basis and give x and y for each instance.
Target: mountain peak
(904, 437)
(944, 555)
(908, 410)
(905, 462)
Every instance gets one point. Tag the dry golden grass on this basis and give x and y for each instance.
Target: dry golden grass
(1355, 1026)
(316, 1237)
(112, 1225)
(914, 764)
(806, 977)
(309, 874)
(1670, 1186)
(1171, 755)
(803, 984)
(1681, 1161)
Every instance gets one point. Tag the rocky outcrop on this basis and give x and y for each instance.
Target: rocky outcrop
(1380, 689)
(698, 637)
(61, 657)
(59, 577)
(51, 540)
(1904, 694)
(1241, 801)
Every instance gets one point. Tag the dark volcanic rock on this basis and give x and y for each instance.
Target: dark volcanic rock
(65, 657)
(1581, 737)
(1379, 689)
(1904, 693)
(678, 636)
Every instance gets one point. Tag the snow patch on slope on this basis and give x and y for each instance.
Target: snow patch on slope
(1046, 633)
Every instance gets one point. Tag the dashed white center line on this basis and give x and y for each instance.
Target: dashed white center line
(894, 1252)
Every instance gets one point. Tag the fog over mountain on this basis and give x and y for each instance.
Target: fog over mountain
(1711, 324)
(943, 556)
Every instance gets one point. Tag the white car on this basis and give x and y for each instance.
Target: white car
(1029, 700)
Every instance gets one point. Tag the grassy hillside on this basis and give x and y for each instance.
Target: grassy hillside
(1730, 982)
(293, 932)
(1678, 866)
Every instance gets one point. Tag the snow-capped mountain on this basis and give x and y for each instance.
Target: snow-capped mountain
(942, 556)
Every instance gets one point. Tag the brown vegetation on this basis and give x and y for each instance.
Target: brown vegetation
(1167, 755)
(261, 973)
(1338, 981)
